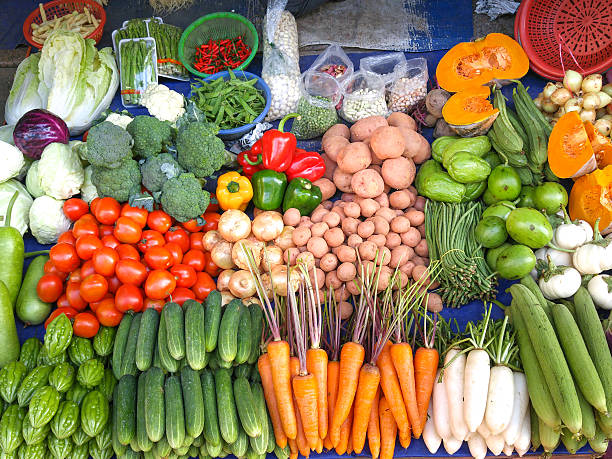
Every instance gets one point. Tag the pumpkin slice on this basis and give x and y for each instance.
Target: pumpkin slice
(468, 64)
(469, 112)
(591, 198)
(570, 153)
(602, 147)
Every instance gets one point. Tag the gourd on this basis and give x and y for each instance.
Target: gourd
(570, 153)
(491, 59)
(469, 112)
(602, 147)
(590, 200)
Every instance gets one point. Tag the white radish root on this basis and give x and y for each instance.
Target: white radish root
(430, 436)
(519, 408)
(440, 407)
(454, 376)
(476, 385)
(500, 399)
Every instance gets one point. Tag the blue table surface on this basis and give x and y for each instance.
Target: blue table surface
(467, 313)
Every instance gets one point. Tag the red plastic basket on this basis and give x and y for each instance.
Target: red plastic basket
(61, 8)
(549, 29)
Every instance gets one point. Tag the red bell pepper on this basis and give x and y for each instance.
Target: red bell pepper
(246, 160)
(278, 147)
(306, 164)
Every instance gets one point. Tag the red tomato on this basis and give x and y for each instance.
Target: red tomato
(93, 288)
(214, 204)
(95, 304)
(85, 225)
(65, 257)
(128, 298)
(211, 268)
(86, 270)
(93, 205)
(196, 241)
(50, 268)
(203, 286)
(107, 211)
(70, 313)
(176, 251)
(159, 284)
(110, 241)
(212, 221)
(131, 271)
(150, 238)
(113, 284)
(76, 275)
(62, 301)
(135, 213)
(73, 293)
(106, 230)
(182, 294)
(196, 259)
(66, 237)
(127, 251)
(104, 261)
(75, 208)
(158, 258)
(108, 314)
(49, 288)
(127, 230)
(192, 225)
(185, 275)
(178, 235)
(159, 220)
(158, 305)
(85, 325)
(86, 245)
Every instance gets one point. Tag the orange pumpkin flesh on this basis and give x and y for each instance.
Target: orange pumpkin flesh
(570, 153)
(591, 198)
(602, 147)
(469, 64)
(469, 112)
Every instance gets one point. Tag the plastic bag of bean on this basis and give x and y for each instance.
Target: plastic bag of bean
(317, 105)
(390, 66)
(335, 62)
(363, 96)
(281, 66)
(408, 90)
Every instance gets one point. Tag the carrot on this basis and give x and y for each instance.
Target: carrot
(351, 359)
(265, 373)
(305, 390)
(302, 442)
(425, 367)
(319, 448)
(294, 449)
(391, 389)
(401, 355)
(345, 432)
(333, 369)
(316, 363)
(388, 430)
(405, 438)
(374, 427)
(279, 365)
(327, 444)
(369, 379)
(349, 444)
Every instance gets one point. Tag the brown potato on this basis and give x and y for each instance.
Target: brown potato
(328, 262)
(421, 249)
(398, 119)
(317, 215)
(301, 235)
(327, 187)
(367, 250)
(334, 237)
(419, 203)
(332, 219)
(333, 145)
(364, 128)
(386, 213)
(381, 225)
(411, 238)
(352, 288)
(401, 199)
(420, 274)
(416, 217)
(407, 268)
(399, 172)
(346, 254)
(327, 205)
(354, 240)
(384, 278)
(434, 302)
(338, 129)
(292, 217)
(368, 207)
(340, 211)
(317, 246)
(400, 255)
(319, 229)
(349, 225)
(331, 280)
(384, 256)
(393, 240)
(366, 229)
(378, 239)
(400, 224)
(306, 258)
(352, 209)
(421, 229)
(417, 146)
(290, 255)
(387, 142)
(354, 157)
(382, 200)
(305, 222)
(342, 180)
(346, 198)
(367, 183)
(320, 277)
(346, 272)
(346, 309)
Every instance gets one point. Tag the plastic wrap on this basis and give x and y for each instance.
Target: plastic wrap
(137, 67)
(320, 92)
(408, 90)
(335, 62)
(390, 66)
(364, 95)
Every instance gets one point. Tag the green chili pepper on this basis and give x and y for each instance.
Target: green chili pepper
(268, 189)
(302, 195)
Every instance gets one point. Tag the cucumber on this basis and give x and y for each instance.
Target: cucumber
(214, 450)
(175, 330)
(128, 362)
(227, 344)
(29, 307)
(195, 342)
(256, 331)
(226, 406)
(212, 319)
(166, 360)
(147, 338)
(155, 413)
(599, 443)
(245, 335)
(242, 370)
(123, 331)
(260, 442)
(162, 447)
(125, 403)
(245, 405)
(175, 413)
(144, 442)
(211, 421)
(193, 401)
(117, 446)
(240, 446)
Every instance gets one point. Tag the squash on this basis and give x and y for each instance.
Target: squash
(570, 153)
(591, 198)
(469, 113)
(602, 147)
(485, 61)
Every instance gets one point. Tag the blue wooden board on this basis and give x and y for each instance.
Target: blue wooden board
(470, 312)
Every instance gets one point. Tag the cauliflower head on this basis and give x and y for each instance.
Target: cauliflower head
(60, 171)
(119, 119)
(163, 103)
(151, 136)
(107, 145)
(183, 198)
(159, 169)
(47, 219)
(11, 161)
(118, 183)
(199, 150)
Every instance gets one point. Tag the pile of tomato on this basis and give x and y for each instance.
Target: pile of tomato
(118, 259)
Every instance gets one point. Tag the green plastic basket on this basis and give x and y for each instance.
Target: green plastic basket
(216, 26)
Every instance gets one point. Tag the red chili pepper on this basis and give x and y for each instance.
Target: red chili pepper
(215, 56)
(306, 164)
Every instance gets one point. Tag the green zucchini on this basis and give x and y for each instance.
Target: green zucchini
(125, 401)
(245, 336)
(257, 330)
(123, 331)
(246, 407)
(175, 413)
(227, 344)
(155, 413)
(211, 421)
(212, 319)
(195, 342)
(147, 338)
(128, 362)
(193, 401)
(167, 362)
(226, 406)
(175, 330)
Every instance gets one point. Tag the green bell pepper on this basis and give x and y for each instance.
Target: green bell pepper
(268, 189)
(302, 195)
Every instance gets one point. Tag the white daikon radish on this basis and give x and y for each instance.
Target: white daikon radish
(477, 446)
(483, 430)
(519, 408)
(452, 445)
(508, 450)
(430, 436)
(523, 441)
(495, 443)
(454, 376)
(440, 407)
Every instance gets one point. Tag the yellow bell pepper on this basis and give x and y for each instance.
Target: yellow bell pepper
(234, 191)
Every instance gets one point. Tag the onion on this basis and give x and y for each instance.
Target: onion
(278, 278)
(271, 256)
(285, 240)
(604, 99)
(239, 256)
(572, 105)
(241, 284)
(572, 80)
(560, 96)
(210, 239)
(604, 126)
(548, 106)
(590, 101)
(226, 297)
(559, 113)
(223, 279)
(607, 89)
(588, 115)
(221, 255)
(538, 101)
(606, 117)
(592, 83)
(268, 225)
(548, 90)
(234, 225)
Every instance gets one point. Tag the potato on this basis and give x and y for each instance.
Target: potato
(327, 187)
(417, 146)
(384, 256)
(352, 209)
(349, 225)
(292, 217)
(346, 272)
(386, 213)
(307, 259)
(416, 217)
(354, 240)
(331, 280)
(332, 219)
(434, 302)
(367, 183)
(338, 129)
(421, 249)
(367, 250)
(301, 235)
(317, 215)
(420, 274)
(393, 240)
(346, 309)
(342, 180)
(366, 229)
(364, 128)
(411, 238)
(317, 246)
(345, 254)
(421, 229)
(346, 198)
(419, 203)
(387, 142)
(290, 255)
(340, 211)
(368, 207)
(327, 205)
(407, 268)
(334, 237)
(319, 229)
(305, 222)
(381, 225)
(328, 262)
(352, 288)
(333, 145)
(382, 200)
(400, 224)
(378, 239)
(401, 199)
(354, 157)
(400, 255)
(399, 172)
(398, 119)
(320, 277)
(384, 278)
(419, 261)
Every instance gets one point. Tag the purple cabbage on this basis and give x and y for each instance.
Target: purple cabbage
(37, 129)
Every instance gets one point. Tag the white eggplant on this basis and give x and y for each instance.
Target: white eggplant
(454, 376)
(523, 441)
(476, 384)
(451, 445)
(561, 282)
(495, 443)
(570, 235)
(600, 289)
(500, 399)
(558, 257)
(440, 407)
(430, 436)
(590, 259)
(477, 446)
(519, 408)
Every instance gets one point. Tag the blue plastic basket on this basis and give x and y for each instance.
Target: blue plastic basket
(236, 133)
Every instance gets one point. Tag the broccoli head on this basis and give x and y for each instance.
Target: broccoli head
(158, 169)
(199, 151)
(150, 135)
(108, 145)
(118, 183)
(183, 198)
